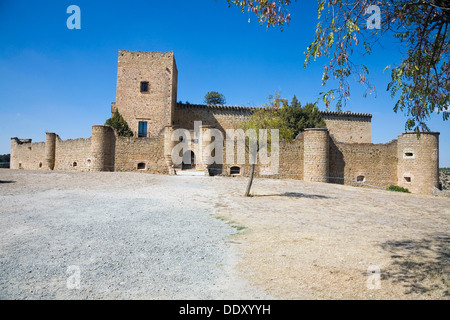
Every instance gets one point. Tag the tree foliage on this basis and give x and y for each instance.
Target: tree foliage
(214, 98)
(4, 160)
(5, 157)
(270, 116)
(119, 123)
(299, 118)
(420, 82)
(289, 120)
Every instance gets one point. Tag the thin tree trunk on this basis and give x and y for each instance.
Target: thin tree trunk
(250, 180)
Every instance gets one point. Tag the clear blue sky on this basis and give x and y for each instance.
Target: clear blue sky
(60, 80)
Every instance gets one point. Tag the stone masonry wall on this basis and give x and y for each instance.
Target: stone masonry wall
(27, 155)
(375, 164)
(220, 117)
(379, 165)
(133, 151)
(76, 154)
(352, 128)
(73, 154)
(290, 162)
(345, 126)
(155, 106)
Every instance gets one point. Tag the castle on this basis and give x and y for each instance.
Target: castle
(146, 97)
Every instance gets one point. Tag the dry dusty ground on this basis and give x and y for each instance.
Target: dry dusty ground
(320, 241)
(303, 240)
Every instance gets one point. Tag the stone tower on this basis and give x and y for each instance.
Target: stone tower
(316, 155)
(50, 150)
(146, 91)
(102, 148)
(418, 162)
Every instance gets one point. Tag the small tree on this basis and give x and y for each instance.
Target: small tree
(268, 117)
(119, 123)
(214, 98)
(299, 118)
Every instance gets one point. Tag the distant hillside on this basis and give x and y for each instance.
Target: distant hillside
(444, 178)
(4, 160)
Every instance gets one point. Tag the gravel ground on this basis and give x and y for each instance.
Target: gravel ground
(123, 235)
(141, 236)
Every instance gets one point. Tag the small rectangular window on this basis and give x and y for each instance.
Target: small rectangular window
(144, 86)
(235, 170)
(409, 154)
(141, 166)
(408, 179)
(142, 129)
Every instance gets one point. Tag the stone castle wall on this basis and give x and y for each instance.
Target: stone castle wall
(220, 117)
(345, 126)
(149, 152)
(369, 164)
(349, 127)
(104, 151)
(314, 156)
(72, 154)
(342, 153)
(158, 106)
(291, 156)
(27, 155)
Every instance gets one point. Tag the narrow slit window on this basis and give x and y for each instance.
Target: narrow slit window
(142, 129)
(144, 86)
(409, 154)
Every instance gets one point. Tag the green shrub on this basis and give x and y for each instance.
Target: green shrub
(397, 188)
(118, 123)
(299, 118)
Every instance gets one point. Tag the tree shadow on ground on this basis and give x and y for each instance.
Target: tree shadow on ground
(1, 181)
(294, 195)
(421, 266)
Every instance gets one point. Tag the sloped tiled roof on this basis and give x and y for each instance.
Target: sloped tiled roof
(249, 109)
(216, 107)
(346, 113)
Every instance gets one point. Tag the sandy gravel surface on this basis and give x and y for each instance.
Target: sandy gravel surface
(140, 236)
(113, 236)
